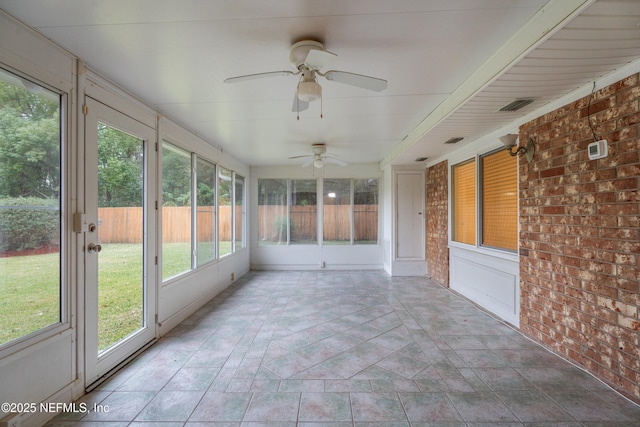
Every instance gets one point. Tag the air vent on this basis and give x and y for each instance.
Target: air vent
(421, 159)
(453, 140)
(516, 105)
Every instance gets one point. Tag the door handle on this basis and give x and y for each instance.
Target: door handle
(94, 248)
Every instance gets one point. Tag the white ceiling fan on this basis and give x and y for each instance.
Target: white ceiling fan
(308, 57)
(320, 157)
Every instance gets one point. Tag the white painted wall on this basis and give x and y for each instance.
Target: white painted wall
(47, 366)
(42, 366)
(182, 295)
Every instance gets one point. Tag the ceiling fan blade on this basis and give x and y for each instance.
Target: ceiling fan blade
(358, 80)
(298, 104)
(299, 157)
(258, 76)
(335, 161)
(308, 162)
(317, 58)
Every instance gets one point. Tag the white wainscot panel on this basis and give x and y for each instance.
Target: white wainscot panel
(316, 257)
(182, 296)
(40, 373)
(352, 257)
(489, 281)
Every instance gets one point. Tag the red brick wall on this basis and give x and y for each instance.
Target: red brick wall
(437, 223)
(580, 235)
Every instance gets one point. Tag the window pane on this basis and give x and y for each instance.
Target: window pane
(365, 211)
(337, 211)
(206, 211)
(30, 222)
(303, 221)
(121, 228)
(464, 202)
(239, 212)
(500, 201)
(272, 212)
(176, 211)
(225, 221)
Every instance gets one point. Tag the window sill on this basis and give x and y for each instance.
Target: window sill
(496, 253)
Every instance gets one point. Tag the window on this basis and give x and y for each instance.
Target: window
(464, 202)
(365, 211)
(214, 204)
(337, 212)
(499, 200)
(349, 211)
(303, 214)
(205, 211)
(273, 222)
(30, 198)
(176, 211)
(497, 205)
(239, 212)
(225, 214)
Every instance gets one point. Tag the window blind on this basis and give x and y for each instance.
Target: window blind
(464, 202)
(500, 201)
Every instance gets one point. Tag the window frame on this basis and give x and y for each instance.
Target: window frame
(243, 213)
(195, 157)
(477, 246)
(452, 209)
(320, 187)
(194, 221)
(67, 242)
(187, 153)
(480, 192)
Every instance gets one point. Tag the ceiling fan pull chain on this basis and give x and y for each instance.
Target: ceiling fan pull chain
(321, 107)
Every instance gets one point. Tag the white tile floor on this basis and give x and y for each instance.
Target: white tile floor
(348, 349)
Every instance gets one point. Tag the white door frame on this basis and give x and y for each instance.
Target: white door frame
(97, 366)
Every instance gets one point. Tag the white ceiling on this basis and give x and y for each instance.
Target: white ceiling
(450, 64)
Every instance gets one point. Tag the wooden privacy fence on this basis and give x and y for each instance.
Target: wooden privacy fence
(272, 220)
(124, 225)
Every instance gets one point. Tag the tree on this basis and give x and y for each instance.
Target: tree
(176, 176)
(120, 168)
(29, 143)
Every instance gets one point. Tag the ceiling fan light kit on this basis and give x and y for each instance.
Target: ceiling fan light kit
(309, 91)
(320, 157)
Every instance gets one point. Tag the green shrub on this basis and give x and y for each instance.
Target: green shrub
(29, 223)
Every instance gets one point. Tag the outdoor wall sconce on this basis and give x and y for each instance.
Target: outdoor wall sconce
(510, 140)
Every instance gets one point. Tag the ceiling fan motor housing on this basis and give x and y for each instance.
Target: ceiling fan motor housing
(299, 52)
(318, 149)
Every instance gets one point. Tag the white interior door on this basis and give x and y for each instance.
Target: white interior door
(119, 249)
(410, 215)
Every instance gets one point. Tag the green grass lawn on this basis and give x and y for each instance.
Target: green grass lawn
(120, 293)
(30, 292)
